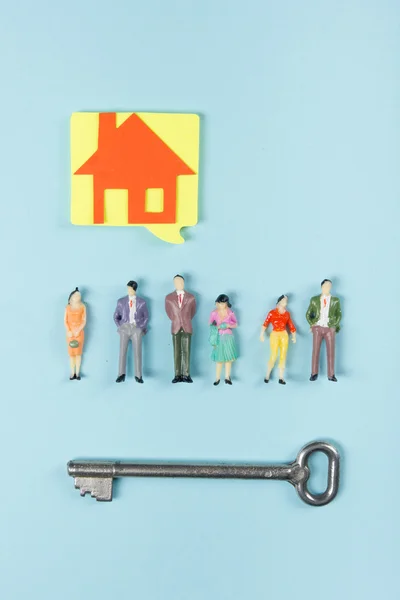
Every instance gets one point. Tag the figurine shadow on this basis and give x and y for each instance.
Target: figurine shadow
(197, 337)
(151, 341)
(340, 345)
(341, 362)
(305, 340)
(117, 485)
(340, 359)
(88, 327)
(202, 166)
(187, 232)
(235, 301)
(148, 342)
(290, 374)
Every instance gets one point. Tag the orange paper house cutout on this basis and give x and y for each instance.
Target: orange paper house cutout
(134, 158)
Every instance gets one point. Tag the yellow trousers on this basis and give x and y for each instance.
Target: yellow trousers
(279, 341)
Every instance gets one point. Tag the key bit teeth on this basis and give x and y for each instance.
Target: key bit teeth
(98, 488)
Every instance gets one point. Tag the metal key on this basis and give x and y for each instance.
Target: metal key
(97, 477)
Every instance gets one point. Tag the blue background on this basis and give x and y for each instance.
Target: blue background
(300, 181)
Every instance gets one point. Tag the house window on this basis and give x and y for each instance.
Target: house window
(154, 202)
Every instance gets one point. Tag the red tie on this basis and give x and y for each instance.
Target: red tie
(130, 303)
(325, 302)
(180, 299)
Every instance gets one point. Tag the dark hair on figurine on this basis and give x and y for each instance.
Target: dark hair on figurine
(325, 281)
(180, 277)
(281, 298)
(72, 293)
(132, 284)
(222, 298)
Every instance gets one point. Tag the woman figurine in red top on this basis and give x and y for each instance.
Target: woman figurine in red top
(280, 319)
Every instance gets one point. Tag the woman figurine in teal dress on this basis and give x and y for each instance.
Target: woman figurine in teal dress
(222, 321)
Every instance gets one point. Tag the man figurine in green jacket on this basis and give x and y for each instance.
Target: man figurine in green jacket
(324, 315)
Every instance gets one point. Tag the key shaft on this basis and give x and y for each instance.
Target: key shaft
(211, 471)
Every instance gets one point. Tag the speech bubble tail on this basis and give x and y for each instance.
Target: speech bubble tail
(167, 233)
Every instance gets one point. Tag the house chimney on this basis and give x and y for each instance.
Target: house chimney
(107, 127)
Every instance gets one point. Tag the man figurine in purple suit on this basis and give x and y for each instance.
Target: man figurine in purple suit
(131, 317)
(180, 307)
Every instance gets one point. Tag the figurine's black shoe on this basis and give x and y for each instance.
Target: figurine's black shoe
(282, 382)
(216, 382)
(332, 378)
(120, 379)
(139, 379)
(266, 380)
(72, 378)
(228, 381)
(177, 379)
(187, 379)
(78, 377)
(314, 377)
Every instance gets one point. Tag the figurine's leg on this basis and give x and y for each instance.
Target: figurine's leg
(317, 339)
(72, 365)
(228, 369)
(186, 339)
(123, 348)
(136, 338)
(78, 361)
(176, 338)
(283, 343)
(330, 351)
(274, 345)
(218, 371)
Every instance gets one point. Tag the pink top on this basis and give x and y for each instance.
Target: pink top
(230, 319)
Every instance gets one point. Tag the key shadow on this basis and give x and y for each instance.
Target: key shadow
(318, 467)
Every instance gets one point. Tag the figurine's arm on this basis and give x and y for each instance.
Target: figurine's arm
(292, 329)
(310, 311)
(193, 308)
(168, 309)
(212, 320)
(69, 332)
(265, 326)
(77, 332)
(145, 317)
(338, 316)
(232, 321)
(117, 315)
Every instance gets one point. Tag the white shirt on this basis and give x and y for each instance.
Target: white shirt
(324, 316)
(180, 294)
(132, 309)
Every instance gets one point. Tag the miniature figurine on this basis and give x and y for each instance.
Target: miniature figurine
(280, 319)
(131, 317)
(75, 321)
(222, 321)
(323, 316)
(180, 307)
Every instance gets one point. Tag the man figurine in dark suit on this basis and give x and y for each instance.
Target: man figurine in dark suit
(131, 317)
(180, 307)
(323, 316)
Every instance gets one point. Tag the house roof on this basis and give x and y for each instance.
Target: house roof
(133, 153)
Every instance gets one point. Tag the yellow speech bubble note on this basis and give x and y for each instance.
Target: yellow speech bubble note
(135, 169)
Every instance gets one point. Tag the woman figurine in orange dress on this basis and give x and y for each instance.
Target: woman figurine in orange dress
(280, 320)
(75, 321)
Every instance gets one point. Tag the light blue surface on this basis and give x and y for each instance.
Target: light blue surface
(300, 181)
